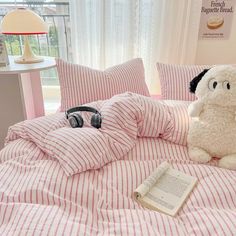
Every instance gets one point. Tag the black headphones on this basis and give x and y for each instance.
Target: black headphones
(76, 120)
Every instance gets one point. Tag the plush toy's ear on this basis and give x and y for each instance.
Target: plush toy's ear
(196, 80)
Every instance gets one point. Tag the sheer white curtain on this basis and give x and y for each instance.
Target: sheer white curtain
(108, 32)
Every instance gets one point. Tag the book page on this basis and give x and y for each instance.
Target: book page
(170, 191)
(149, 182)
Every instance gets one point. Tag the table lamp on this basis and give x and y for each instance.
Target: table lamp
(22, 21)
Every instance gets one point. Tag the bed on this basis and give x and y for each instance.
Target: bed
(55, 180)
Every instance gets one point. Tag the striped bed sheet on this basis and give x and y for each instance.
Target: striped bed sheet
(38, 198)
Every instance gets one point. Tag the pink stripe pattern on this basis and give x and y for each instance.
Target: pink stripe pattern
(125, 117)
(81, 84)
(175, 79)
(38, 198)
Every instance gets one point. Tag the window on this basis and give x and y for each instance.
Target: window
(57, 43)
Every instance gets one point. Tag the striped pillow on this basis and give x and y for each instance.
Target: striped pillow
(80, 84)
(175, 79)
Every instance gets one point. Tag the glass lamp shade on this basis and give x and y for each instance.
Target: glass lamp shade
(25, 22)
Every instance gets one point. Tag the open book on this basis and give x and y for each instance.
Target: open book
(165, 190)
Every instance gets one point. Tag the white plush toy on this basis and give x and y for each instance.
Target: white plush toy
(212, 132)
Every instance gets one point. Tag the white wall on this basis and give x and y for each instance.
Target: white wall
(218, 51)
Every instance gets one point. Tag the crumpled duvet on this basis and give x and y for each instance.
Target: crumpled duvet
(125, 117)
(39, 198)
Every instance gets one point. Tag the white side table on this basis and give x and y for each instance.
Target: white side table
(21, 94)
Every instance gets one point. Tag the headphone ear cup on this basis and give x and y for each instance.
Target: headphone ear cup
(76, 120)
(96, 121)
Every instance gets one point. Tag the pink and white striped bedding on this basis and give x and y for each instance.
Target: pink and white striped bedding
(38, 198)
(125, 118)
(175, 79)
(80, 84)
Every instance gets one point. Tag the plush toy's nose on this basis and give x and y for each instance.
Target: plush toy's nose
(218, 94)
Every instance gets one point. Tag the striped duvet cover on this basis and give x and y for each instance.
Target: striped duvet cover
(39, 198)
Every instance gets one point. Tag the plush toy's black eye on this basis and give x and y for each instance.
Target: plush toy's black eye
(212, 84)
(226, 85)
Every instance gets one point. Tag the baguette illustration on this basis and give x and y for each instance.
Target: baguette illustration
(215, 22)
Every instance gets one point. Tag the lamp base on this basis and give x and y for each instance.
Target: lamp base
(28, 56)
(24, 60)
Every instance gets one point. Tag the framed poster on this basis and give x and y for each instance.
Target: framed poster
(216, 19)
(4, 60)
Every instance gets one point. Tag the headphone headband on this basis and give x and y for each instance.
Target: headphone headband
(82, 108)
